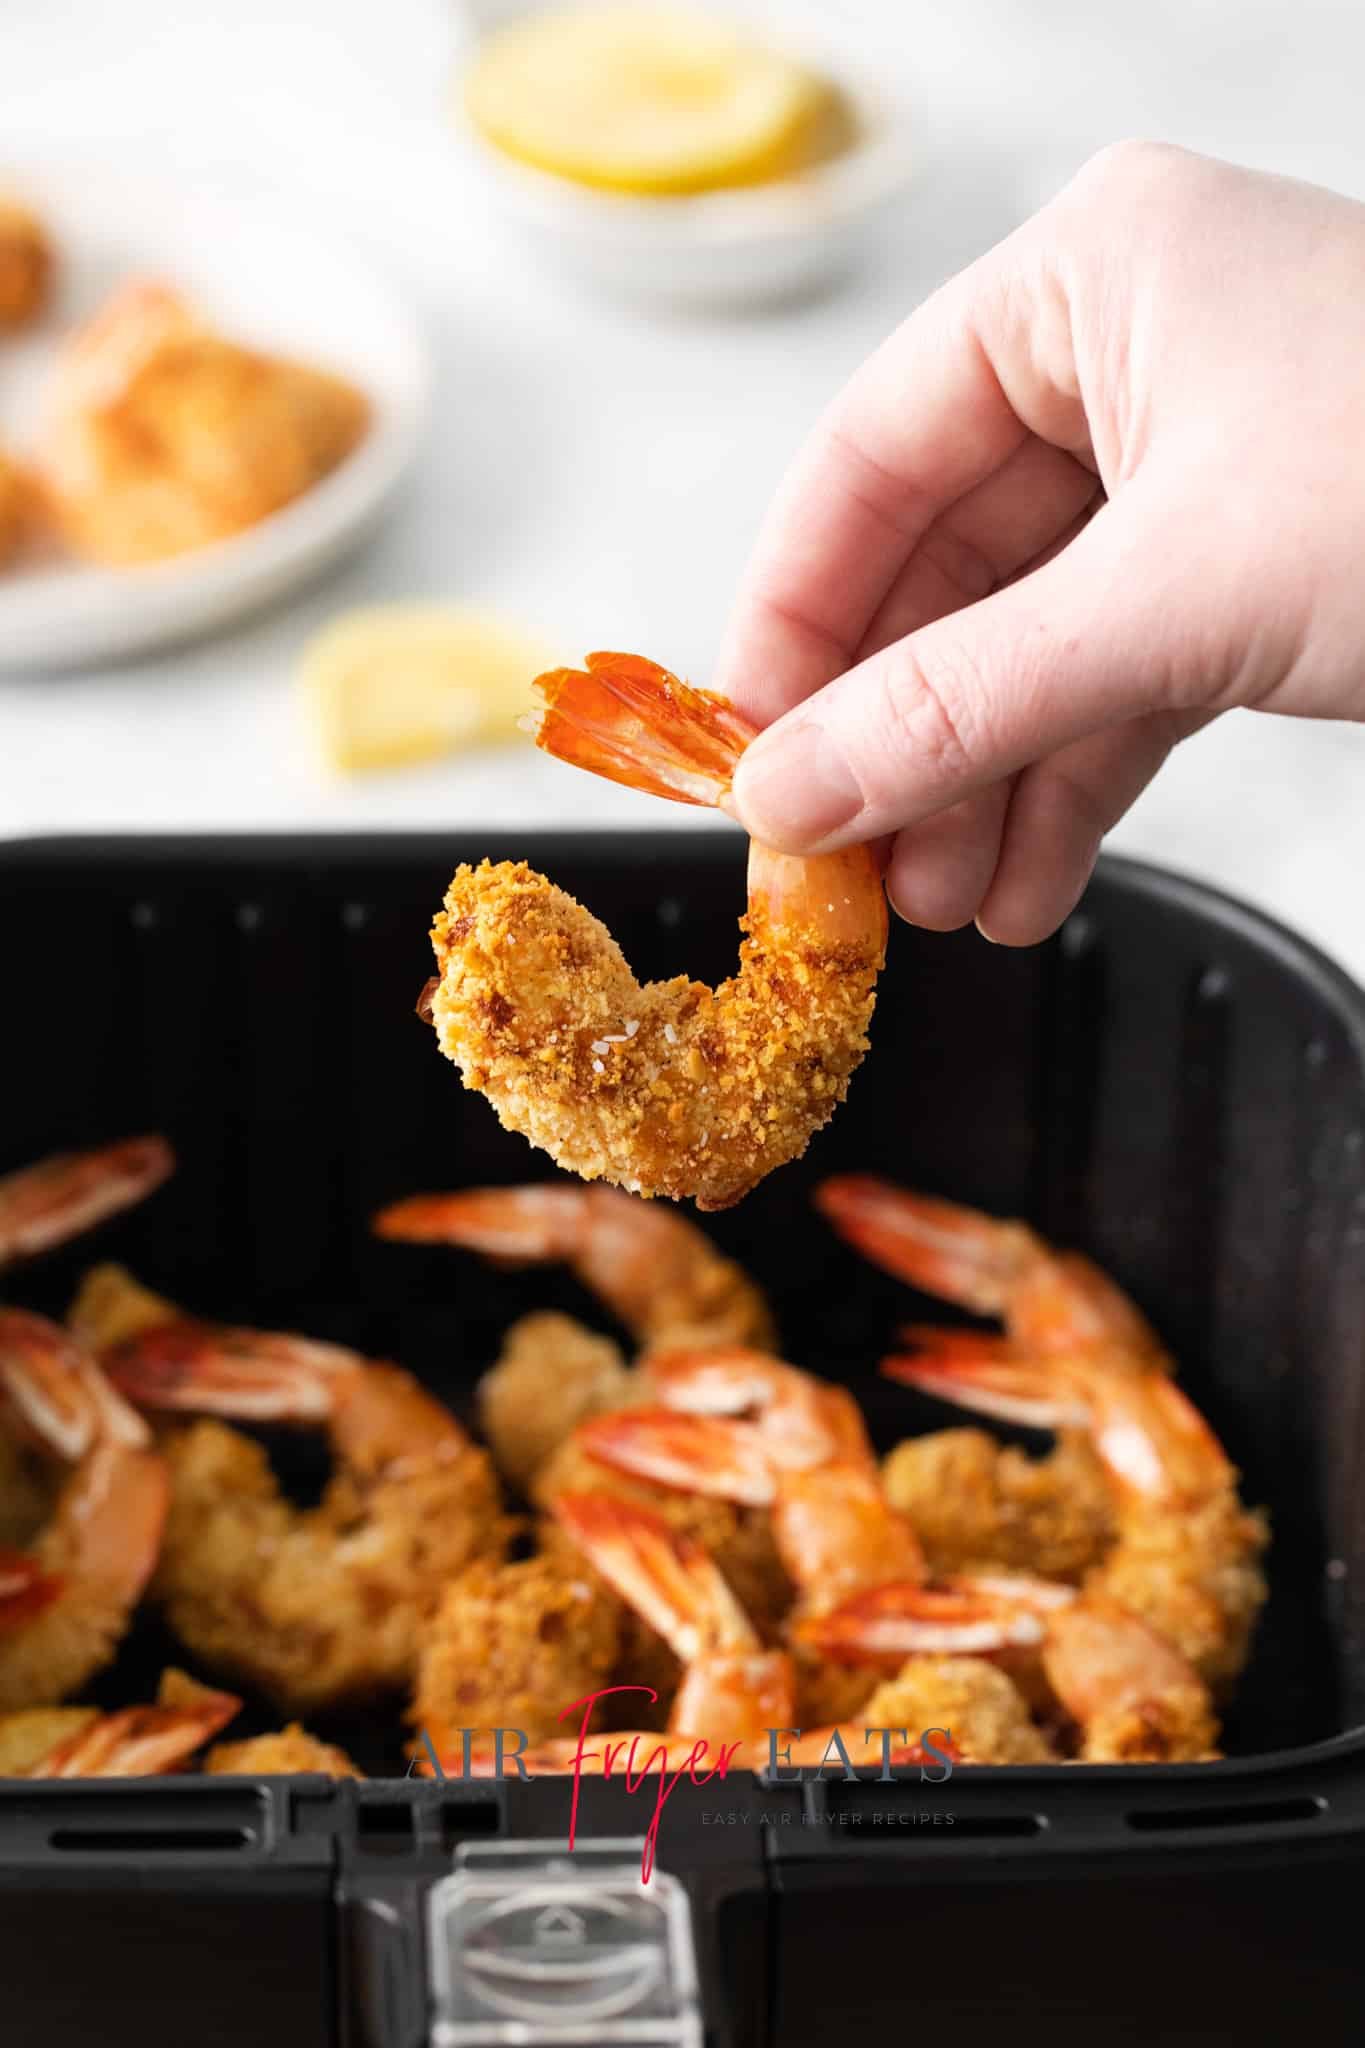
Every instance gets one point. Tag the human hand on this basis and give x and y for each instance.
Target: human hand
(1104, 485)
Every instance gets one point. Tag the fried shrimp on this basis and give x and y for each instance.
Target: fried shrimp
(163, 436)
(511, 1645)
(658, 1274)
(1187, 1553)
(321, 1605)
(44, 1205)
(71, 1594)
(671, 1088)
(835, 1534)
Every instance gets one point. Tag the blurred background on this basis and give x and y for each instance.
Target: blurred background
(593, 412)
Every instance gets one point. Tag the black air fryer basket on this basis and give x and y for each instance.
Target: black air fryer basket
(1174, 1085)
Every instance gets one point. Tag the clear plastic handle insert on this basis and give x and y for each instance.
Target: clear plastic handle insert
(532, 1944)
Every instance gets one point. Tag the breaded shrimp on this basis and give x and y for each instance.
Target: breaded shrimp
(1187, 1556)
(834, 1532)
(974, 1501)
(26, 265)
(90, 1562)
(282, 1754)
(511, 1645)
(1078, 1356)
(327, 1604)
(658, 1273)
(671, 1088)
(163, 436)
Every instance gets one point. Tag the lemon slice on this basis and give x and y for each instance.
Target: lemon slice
(394, 684)
(633, 99)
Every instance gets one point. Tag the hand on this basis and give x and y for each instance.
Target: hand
(1104, 485)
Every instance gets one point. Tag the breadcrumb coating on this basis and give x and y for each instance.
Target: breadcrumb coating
(551, 1375)
(983, 1711)
(320, 1606)
(667, 1089)
(288, 1750)
(512, 1645)
(974, 1501)
(1196, 1577)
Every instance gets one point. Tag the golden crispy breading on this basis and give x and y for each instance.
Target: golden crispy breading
(288, 1750)
(1196, 1577)
(321, 1606)
(27, 1737)
(666, 1089)
(981, 1709)
(164, 436)
(552, 1373)
(974, 1501)
(512, 1645)
(26, 265)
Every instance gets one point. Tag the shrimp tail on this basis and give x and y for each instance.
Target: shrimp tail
(25, 1588)
(956, 1618)
(251, 1375)
(944, 1249)
(629, 720)
(42, 1206)
(991, 1380)
(690, 1453)
(139, 1742)
(668, 1579)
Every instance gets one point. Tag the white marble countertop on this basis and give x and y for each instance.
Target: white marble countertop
(599, 471)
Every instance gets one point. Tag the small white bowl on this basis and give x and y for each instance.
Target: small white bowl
(746, 246)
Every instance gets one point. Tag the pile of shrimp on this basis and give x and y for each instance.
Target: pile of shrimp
(665, 1512)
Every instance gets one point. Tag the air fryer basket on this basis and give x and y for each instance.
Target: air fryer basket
(1174, 1085)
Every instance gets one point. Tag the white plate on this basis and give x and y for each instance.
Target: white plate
(743, 247)
(264, 278)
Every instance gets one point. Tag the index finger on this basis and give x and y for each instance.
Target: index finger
(939, 407)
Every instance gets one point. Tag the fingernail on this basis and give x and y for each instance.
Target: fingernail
(984, 933)
(794, 787)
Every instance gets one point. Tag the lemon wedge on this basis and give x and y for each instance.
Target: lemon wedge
(634, 99)
(395, 684)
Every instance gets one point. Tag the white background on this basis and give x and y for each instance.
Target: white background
(599, 472)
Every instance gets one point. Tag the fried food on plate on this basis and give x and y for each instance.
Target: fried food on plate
(163, 436)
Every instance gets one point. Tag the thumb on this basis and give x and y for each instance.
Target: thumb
(1117, 625)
